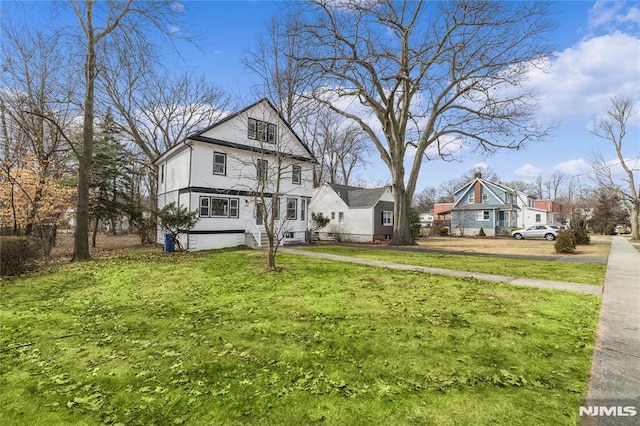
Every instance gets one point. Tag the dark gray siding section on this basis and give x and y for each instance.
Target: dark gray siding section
(379, 231)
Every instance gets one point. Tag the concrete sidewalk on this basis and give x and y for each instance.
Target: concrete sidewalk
(557, 285)
(615, 369)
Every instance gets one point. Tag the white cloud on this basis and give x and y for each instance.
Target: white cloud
(528, 170)
(580, 80)
(177, 6)
(573, 167)
(609, 15)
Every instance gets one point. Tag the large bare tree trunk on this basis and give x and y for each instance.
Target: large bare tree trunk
(81, 237)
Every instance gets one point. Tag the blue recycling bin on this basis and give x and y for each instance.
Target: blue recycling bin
(169, 243)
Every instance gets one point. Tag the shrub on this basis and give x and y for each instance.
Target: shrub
(444, 231)
(505, 233)
(481, 233)
(565, 243)
(414, 224)
(17, 255)
(581, 236)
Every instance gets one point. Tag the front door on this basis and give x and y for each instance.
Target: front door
(259, 214)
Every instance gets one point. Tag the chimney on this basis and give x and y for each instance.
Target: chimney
(477, 191)
(478, 175)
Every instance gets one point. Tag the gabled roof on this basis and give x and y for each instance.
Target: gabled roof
(356, 197)
(198, 136)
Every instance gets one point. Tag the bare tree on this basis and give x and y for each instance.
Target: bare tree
(159, 111)
(539, 187)
(98, 23)
(522, 186)
(416, 75)
(553, 184)
(275, 60)
(36, 110)
(612, 127)
(423, 202)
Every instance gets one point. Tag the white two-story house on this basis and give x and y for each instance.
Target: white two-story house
(226, 171)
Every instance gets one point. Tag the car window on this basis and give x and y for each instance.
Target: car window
(541, 227)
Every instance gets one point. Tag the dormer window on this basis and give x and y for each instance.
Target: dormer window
(261, 131)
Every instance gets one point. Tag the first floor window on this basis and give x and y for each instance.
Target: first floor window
(204, 206)
(482, 215)
(296, 175)
(340, 217)
(219, 163)
(333, 215)
(234, 210)
(537, 217)
(289, 235)
(220, 207)
(387, 218)
(292, 208)
(303, 209)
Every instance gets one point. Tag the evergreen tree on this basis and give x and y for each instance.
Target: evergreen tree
(608, 211)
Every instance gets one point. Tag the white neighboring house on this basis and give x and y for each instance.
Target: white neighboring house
(426, 219)
(216, 172)
(357, 214)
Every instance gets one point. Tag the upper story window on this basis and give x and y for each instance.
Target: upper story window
(471, 198)
(296, 175)
(485, 198)
(162, 174)
(261, 131)
(219, 163)
(262, 166)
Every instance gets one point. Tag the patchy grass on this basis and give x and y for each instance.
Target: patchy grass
(212, 339)
(599, 247)
(584, 273)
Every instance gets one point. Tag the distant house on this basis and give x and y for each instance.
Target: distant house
(426, 219)
(219, 171)
(494, 207)
(552, 208)
(356, 214)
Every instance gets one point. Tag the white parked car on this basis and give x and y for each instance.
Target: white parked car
(548, 232)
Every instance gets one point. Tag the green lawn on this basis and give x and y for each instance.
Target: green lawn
(584, 273)
(211, 338)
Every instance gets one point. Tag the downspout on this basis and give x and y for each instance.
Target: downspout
(189, 181)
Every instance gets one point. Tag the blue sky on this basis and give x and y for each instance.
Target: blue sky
(598, 56)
